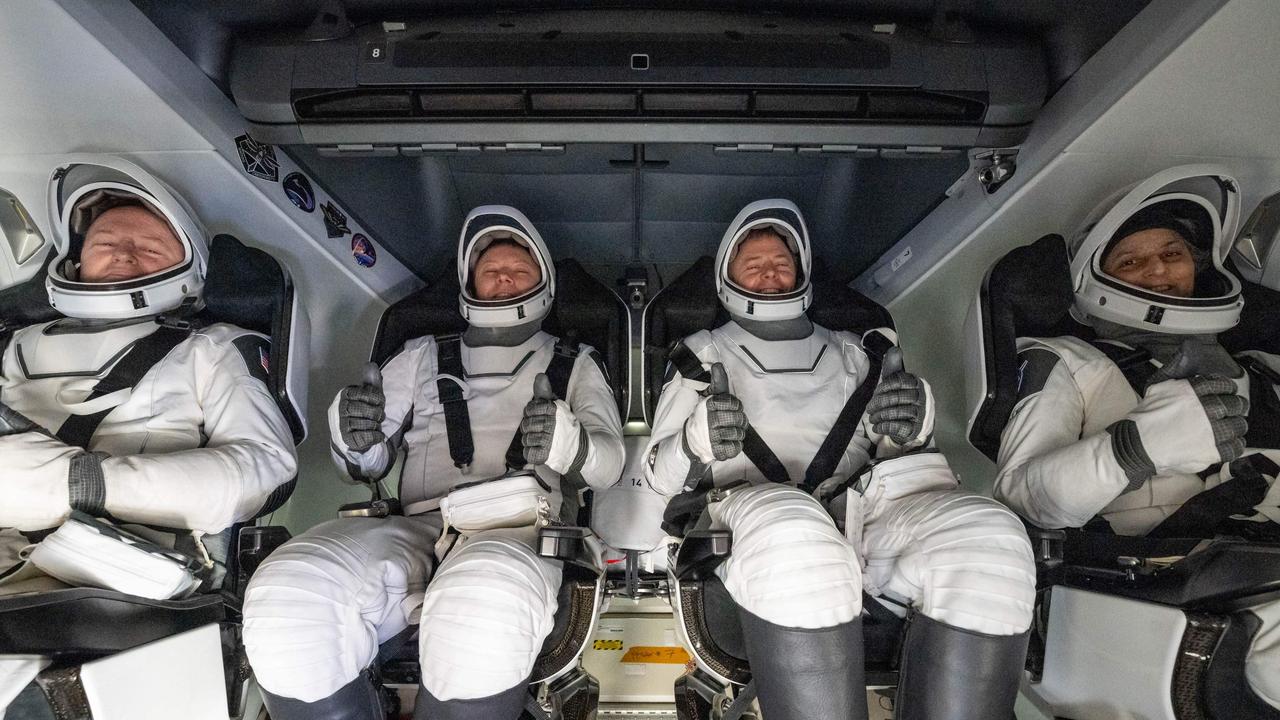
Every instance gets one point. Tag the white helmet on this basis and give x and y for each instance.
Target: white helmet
(482, 227)
(84, 187)
(784, 218)
(1201, 203)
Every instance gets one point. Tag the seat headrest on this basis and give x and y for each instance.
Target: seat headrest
(688, 304)
(249, 288)
(1027, 293)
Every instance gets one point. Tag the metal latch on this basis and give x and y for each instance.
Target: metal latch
(637, 282)
(994, 167)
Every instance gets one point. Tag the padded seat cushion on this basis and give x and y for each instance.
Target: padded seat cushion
(89, 622)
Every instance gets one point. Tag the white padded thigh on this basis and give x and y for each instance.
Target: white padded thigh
(1262, 664)
(790, 565)
(317, 609)
(959, 558)
(486, 615)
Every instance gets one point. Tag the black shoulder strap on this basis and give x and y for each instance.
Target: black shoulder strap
(1135, 363)
(1264, 403)
(558, 371)
(753, 446)
(126, 373)
(457, 419)
(828, 457)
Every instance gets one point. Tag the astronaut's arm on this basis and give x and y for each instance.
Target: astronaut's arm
(591, 401)
(370, 460)
(667, 461)
(248, 455)
(1048, 473)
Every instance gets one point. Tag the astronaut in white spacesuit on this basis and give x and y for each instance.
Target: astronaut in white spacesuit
(318, 608)
(122, 409)
(1153, 428)
(779, 422)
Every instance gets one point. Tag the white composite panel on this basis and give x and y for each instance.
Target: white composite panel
(98, 77)
(1186, 81)
(1108, 657)
(183, 679)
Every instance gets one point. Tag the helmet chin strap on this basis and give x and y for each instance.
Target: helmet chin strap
(511, 336)
(790, 329)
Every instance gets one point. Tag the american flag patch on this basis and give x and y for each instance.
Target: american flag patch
(264, 359)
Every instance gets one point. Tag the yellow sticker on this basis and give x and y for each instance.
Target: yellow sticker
(607, 645)
(652, 654)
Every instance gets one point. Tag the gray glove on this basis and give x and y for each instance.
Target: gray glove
(546, 420)
(1164, 433)
(13, 422)
(718, 425)
(900, 407)
(362, 410)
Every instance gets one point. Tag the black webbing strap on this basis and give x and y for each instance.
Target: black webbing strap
(833, 445)
(1206, 512)
(753, 446)
(558, 371)
(457, 419)
(1264, 404)
(126, 373)
(1135, 363)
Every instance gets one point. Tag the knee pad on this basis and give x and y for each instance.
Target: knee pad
(789, 564)
(318, 607)
(485, 617)
(962, 559)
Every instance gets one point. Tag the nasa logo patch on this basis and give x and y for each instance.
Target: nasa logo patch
(298, 188)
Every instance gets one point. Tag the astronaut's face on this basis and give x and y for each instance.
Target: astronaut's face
(505, 270)
(763, 264)
(126, 243)
(1158, 260)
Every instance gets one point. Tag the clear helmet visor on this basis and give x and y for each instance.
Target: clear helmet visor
(484, 228)
(1198, 205)
(780, 218)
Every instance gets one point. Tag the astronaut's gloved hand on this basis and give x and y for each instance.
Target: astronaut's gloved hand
(902, 407)
(550, 433)
(718, 425)
(1181, 426)
(362, 410)
(13, 422)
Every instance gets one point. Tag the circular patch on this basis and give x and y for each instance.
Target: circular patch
(362, 250)
(298, 188)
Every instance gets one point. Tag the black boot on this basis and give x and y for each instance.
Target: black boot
(802, 674)
(953, 674)
(506, 705)
(360, 699)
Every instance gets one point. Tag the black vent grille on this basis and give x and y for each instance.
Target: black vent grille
(852, 105)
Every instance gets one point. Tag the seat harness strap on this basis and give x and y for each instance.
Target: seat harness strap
(457, 419)
(833, 445)
(126, 373)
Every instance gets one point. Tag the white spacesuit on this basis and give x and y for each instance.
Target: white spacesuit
(1143, 431)
(114, 413)
(318, 608)
(198, 442)
(912, 536)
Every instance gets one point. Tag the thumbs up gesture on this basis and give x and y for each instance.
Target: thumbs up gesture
(901, 409)
(718, 425)
(361, 410)
(550, 433)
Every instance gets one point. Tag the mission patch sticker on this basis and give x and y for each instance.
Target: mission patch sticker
(259, 160)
